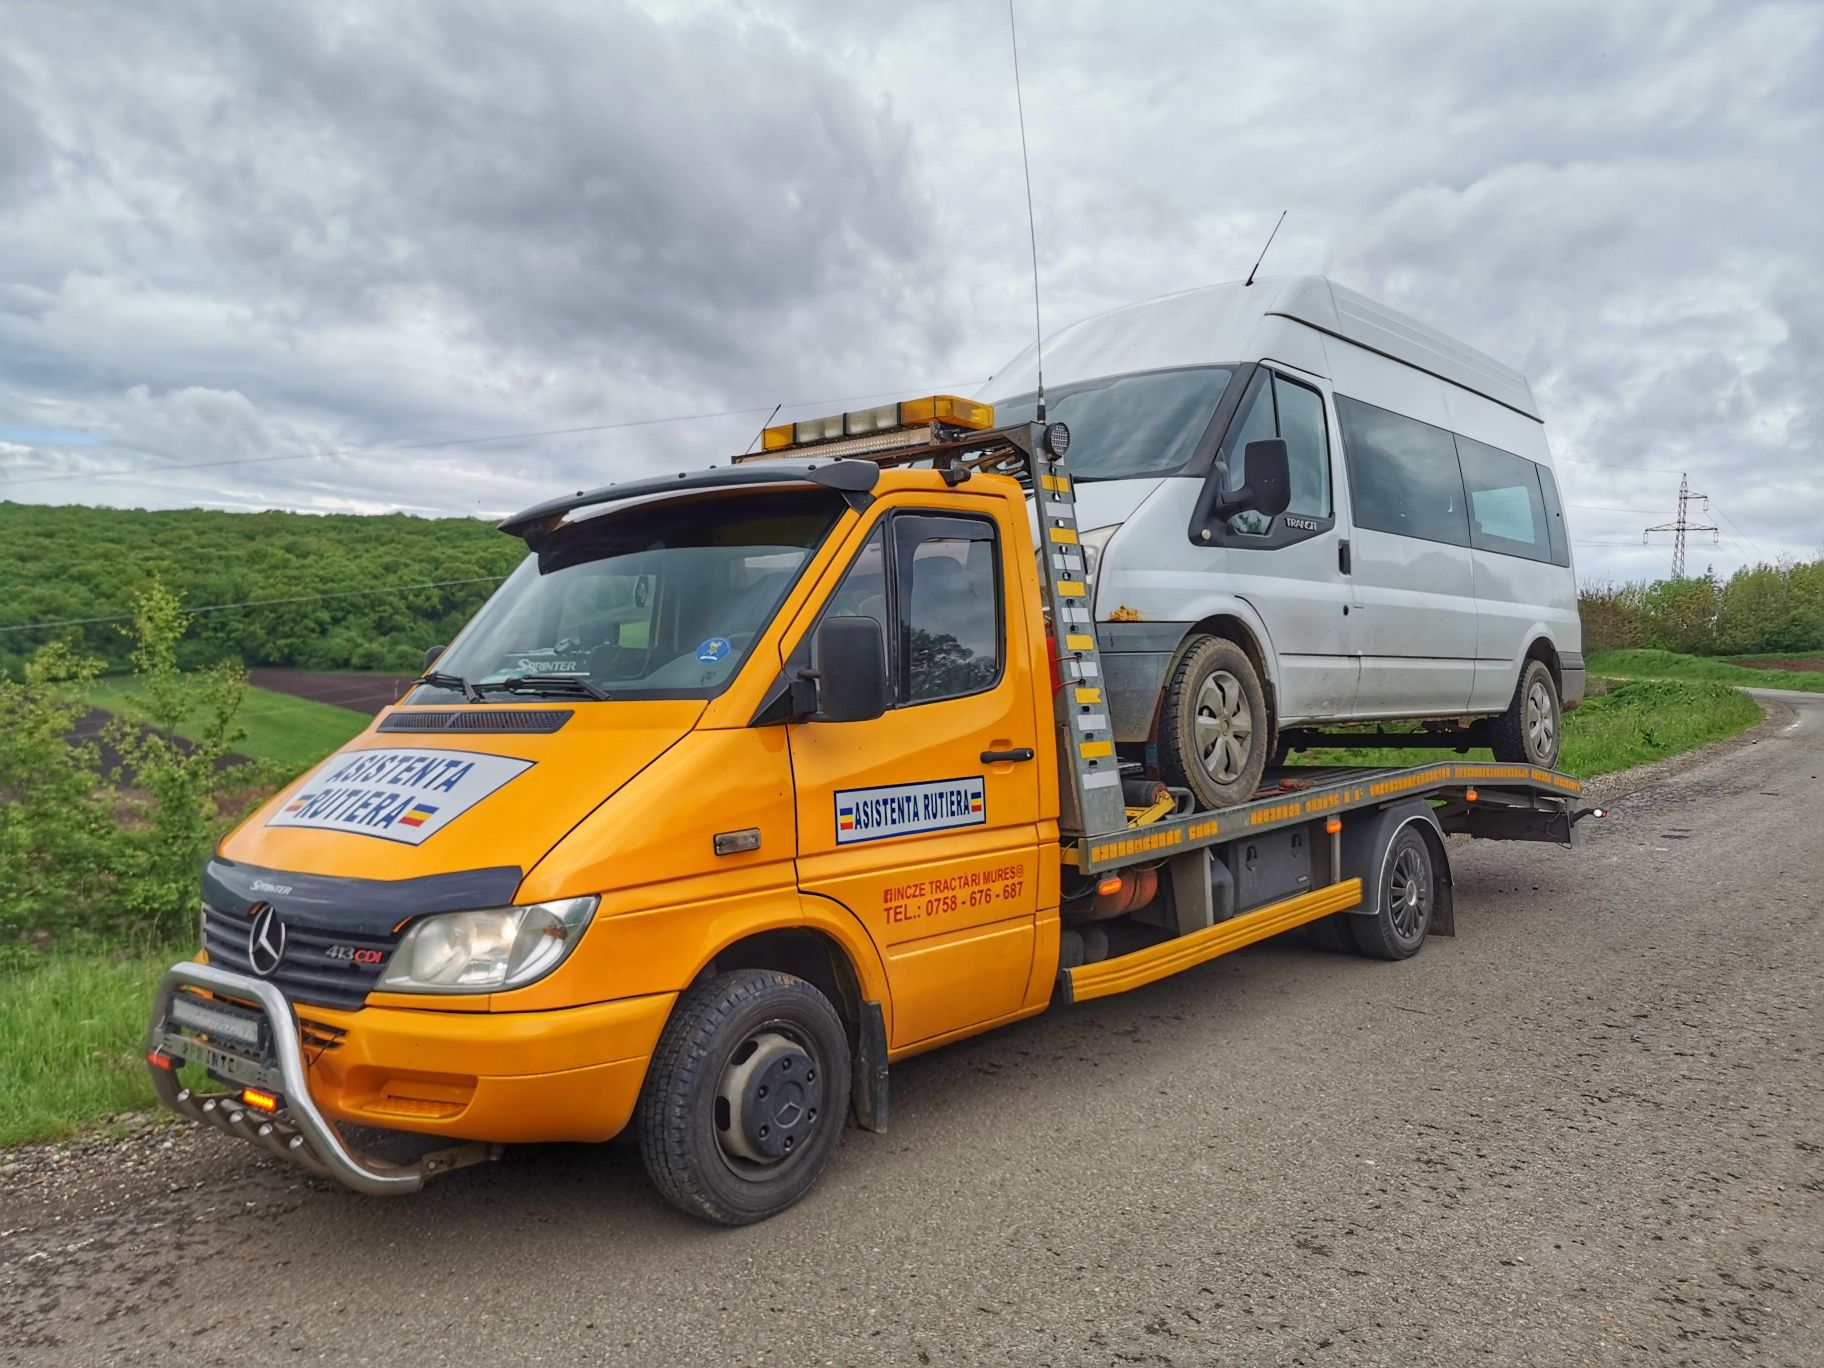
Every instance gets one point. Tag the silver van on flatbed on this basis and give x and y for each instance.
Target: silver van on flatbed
(1306, 511)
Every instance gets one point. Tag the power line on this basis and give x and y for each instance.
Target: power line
(259, 603)
(442, 443)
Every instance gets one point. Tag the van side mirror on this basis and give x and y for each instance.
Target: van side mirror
(851, 673)
(430, 658)
(1269, 487)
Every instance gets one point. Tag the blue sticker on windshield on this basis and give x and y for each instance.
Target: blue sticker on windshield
(716, 648)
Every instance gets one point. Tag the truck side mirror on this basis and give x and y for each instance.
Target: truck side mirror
(1269, 487)
(430, 658)
(851, 672)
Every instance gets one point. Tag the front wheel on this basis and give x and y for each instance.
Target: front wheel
(745, 1097)
(1531, 731)
(1214, 729)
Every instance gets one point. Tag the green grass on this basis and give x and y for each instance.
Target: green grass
(289, 731)
(1643, 664)
(70, 1033)
(1634, 722)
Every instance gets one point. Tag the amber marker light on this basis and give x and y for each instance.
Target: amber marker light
(1109, 886)
(260, 1100)
(1334, 825)
(158, 1059)
(1469, 796)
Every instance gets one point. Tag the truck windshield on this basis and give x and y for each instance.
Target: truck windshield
(642, 601)
(1129, 426)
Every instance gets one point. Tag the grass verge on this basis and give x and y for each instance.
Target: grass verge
(70, 1031)
(1643, 664)
(286, 730)
(1634, 722)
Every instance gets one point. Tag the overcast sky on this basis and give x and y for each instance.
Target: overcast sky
(231, 232)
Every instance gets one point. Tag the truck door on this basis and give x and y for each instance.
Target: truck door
(921, 821)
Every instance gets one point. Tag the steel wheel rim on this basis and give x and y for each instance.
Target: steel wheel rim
(1408, 893)
(1224, 727)
(1541, 718)
(766, 1038)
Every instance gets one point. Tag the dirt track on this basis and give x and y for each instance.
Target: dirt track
(363, 692)
(1590, 1129)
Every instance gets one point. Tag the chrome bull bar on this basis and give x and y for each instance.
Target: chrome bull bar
(298, 1131)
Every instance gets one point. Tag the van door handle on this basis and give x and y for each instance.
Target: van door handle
(1342, 555)
(996, 757)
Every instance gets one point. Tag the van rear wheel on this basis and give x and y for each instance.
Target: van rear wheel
(1214, 729)
(1531, 731)
(745, 1096)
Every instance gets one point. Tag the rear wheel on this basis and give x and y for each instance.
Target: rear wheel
(1214, 731)
(745, 1097)
(1409, 894)
(1531, 731)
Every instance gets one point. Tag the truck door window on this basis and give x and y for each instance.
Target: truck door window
(947, 602)
(1278, 407)
(937, 596)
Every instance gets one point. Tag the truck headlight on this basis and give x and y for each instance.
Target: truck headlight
(483, 952)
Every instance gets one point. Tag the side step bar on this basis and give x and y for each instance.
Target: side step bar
(1106, 977)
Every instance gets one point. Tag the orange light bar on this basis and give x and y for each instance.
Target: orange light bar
(948, 409)
(259, 1099)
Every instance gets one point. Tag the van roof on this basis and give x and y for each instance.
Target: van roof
(1215, 324)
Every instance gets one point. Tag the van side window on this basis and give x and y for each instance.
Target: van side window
(1506, 509)
(1278, 407)
(1403, 474)
(1554, 517)
(947, 604)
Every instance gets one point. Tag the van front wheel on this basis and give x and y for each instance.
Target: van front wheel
(1214, 729)
(1531, 731)
(745, 1096)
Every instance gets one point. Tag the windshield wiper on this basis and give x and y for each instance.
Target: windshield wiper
(438, 679)
(547, 684)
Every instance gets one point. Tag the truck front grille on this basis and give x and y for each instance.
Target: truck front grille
(319, 966)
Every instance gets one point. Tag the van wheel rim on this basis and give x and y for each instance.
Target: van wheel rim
(1408, 893)
(1224, 727)
(1541, 718)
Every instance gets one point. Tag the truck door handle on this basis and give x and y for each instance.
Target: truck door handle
(1342, 555)
(995, 757)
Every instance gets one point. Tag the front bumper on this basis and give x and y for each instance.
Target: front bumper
(482, 1078)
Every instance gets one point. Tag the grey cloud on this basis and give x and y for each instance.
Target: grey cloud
(452, 219)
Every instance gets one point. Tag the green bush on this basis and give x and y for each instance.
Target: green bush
(114, 854)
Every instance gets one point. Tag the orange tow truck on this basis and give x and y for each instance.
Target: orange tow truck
(746, 784)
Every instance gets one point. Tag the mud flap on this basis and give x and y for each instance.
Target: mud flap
(870, 1087)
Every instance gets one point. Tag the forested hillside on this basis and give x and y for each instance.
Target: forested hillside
(67, 563)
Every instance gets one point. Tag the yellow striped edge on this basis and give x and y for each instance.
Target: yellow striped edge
(1057, 484)
(1064, 536)
(1089, 696)
(1070, 588)
(1125, 972)
(1079, 643)
(1095, 750)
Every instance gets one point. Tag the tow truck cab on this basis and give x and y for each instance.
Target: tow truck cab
(744, 784)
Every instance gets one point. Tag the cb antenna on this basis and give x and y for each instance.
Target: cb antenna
(1032, 232)
(1263, 251)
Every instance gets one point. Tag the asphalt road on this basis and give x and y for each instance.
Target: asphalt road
(1589, 1129)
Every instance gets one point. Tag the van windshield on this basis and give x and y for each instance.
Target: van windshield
(641, 601)
(1128, 426)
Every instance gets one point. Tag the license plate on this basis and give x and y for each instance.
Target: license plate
(225, 1025)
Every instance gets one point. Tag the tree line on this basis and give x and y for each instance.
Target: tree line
(59, 564)
(1762, 609)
